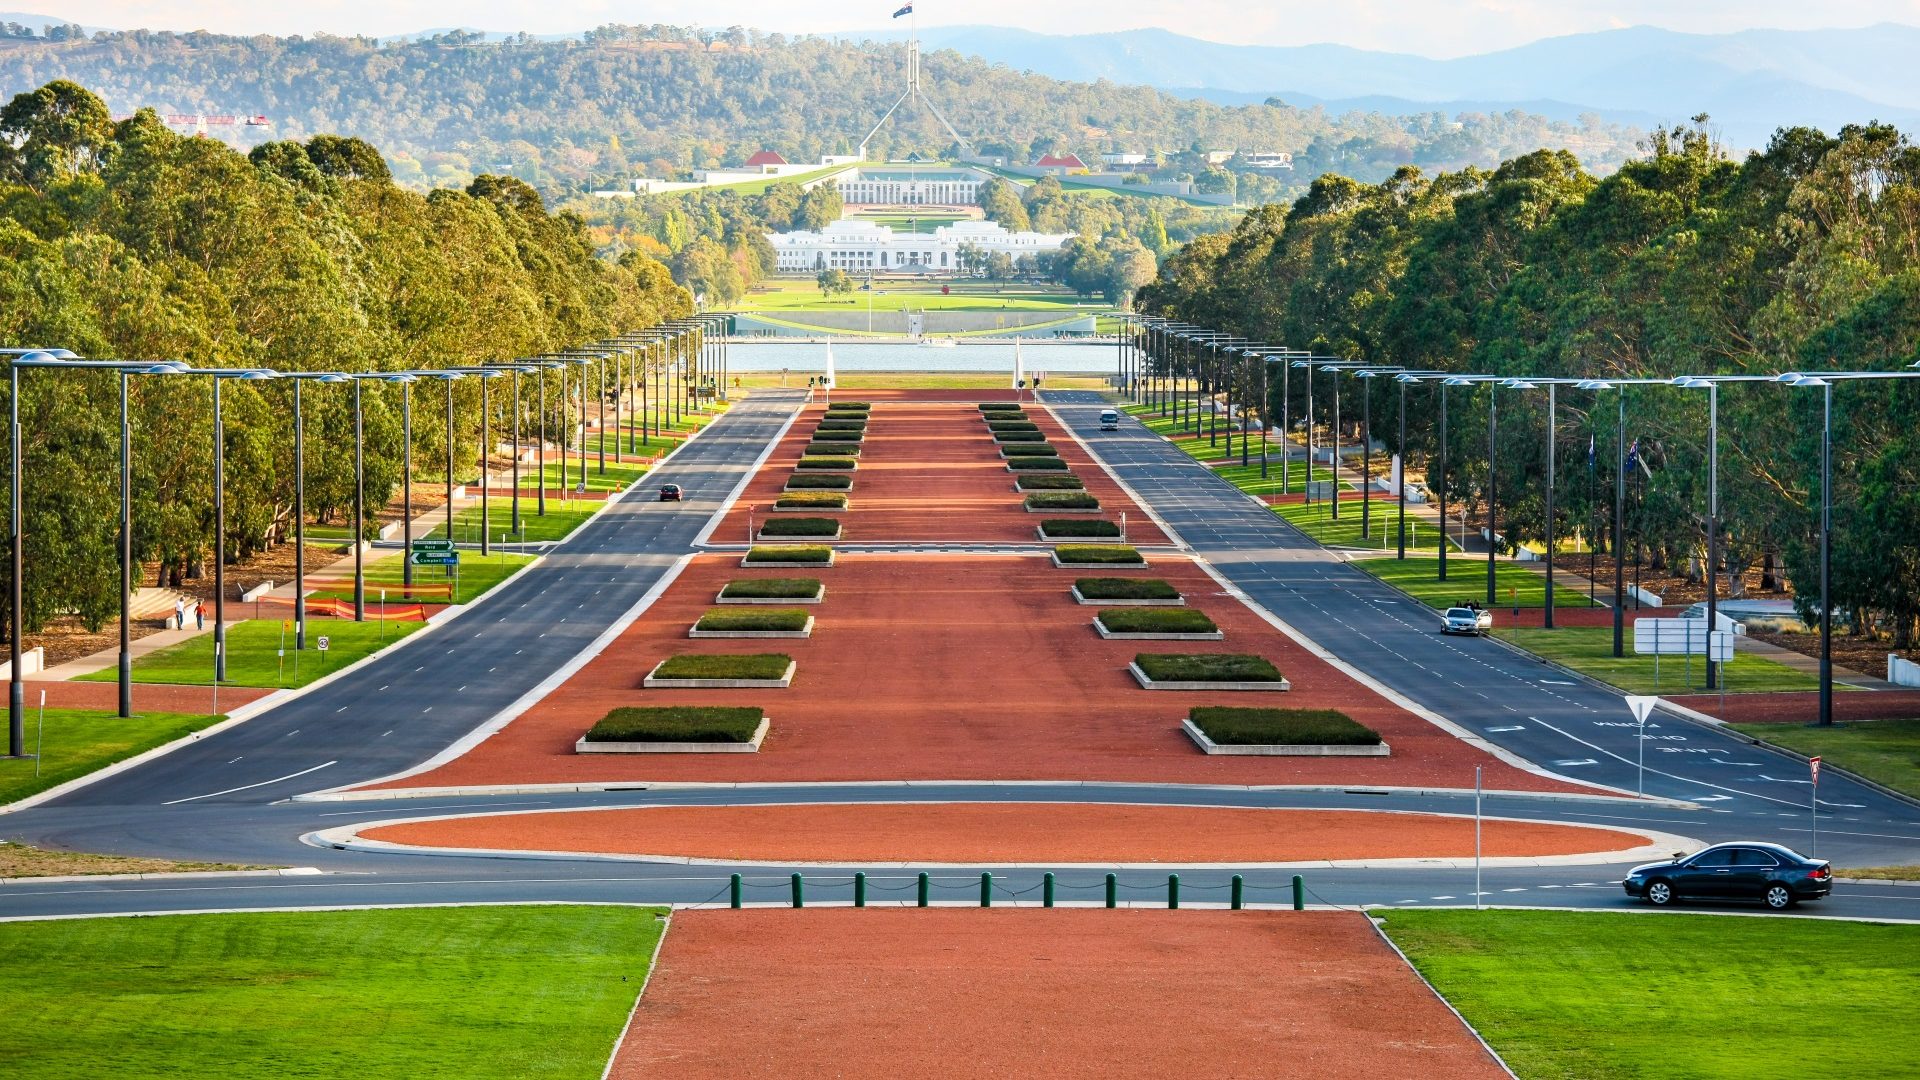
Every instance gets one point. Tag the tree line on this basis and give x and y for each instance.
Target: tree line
(123, 240)
(1804, 256)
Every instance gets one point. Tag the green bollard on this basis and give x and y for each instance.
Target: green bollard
(923, 888)
(1046, 889)
(1299, 893)
(1173, 890)
(859, 889)
(799, 897)
(986, 888)
(1239, 892)
(733, 892)
(1113, 891)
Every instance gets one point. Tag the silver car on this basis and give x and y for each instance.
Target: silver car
(1467, 620)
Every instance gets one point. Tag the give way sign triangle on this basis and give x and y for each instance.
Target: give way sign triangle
(1641, 706)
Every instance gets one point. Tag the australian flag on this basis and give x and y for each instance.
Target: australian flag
(905, 9)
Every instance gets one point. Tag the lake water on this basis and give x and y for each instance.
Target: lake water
(1063, 358)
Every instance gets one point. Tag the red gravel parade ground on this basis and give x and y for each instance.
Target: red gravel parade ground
(1060, 993)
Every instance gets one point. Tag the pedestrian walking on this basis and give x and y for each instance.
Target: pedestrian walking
(180, 614)
(199, 616)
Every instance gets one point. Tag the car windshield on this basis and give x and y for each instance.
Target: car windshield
(1459, 613)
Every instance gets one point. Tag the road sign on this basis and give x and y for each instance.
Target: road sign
(432, 545)
(1681, 637)
(436, 558)
(1641, 706)
(324, 643)
(1814, 764)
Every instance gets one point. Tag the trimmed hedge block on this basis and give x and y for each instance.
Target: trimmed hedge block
(677, 723)
(811, 500)
(819, 481)
(1069, 482)
(1077, 528)
(827, 464)
(1281, 727)
(800, 527)
(1061, 500)
(1098, 555)
(1036, 464)
(773, 589)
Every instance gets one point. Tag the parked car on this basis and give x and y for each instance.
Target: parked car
(1777, 876)
(1467, 620)
(669, 492)
(1109, 420)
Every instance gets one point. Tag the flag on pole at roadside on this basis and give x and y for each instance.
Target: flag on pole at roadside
(905, 9)
(827, 379)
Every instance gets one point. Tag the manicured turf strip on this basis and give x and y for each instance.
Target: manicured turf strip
(556, 524)
(1281, 727)
(1884, 750)
(1314, 519)
(1206, 667)
(1120, 588)
(772, 588)
(1068, 482)
(1078, 527)
(789, 553)
(1047, 464)
(799, 526)
(1061, 500)
(477, 992)
(811, 499)
(754, 619)
(75, 742)
(1467, 580)
(252, 648)
(822, 481)
(476, 576)
(1029, 449)
(1097, 554)
(1613, 996)
(677, 723)
(839, 449)
(827, 463)
(743, 666)
(1589, 650)
(1133, 620)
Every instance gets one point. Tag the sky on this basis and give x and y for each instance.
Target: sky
(1436, 28)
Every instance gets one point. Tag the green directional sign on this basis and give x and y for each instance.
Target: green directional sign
(433, 545)
(436, 558)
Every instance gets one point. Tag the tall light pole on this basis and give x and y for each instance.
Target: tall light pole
(485, 374)
(126, 533)
(448, 377)
(300, 498)
(220, 375)
(405, 380)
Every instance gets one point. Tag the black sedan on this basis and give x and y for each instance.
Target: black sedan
(669, 492)
(1778, 877)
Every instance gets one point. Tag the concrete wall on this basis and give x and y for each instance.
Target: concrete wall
(935, 323)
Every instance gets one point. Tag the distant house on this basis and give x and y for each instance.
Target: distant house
(1125, 162)
(766, 160)
(1218, 157)
(1062, 165)
(1265, 161)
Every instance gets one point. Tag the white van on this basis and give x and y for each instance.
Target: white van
(1109, 420)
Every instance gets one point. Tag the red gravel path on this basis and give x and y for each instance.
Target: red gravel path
(1003, 834)
(960, 668)
(147, 697)
(1031, 993)
(1803, 707)
(931, 472)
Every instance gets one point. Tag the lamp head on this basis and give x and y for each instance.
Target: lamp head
(256, 375)
(1518, 384)
(1456, 380)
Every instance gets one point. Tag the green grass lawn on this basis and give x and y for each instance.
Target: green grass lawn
(1589, 650)
(1883, 750)
(1611, 996)
(75, 742)
(472, 992)
(1316, 520)
(804, 295)
(1247, 477)
(477, 574)
(559, 521)
(253, 658)
(1467, 579)
(618, 477)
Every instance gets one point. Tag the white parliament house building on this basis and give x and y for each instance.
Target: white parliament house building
(906, 185)
(857, 246)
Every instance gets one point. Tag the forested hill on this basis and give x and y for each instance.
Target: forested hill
(626, 100)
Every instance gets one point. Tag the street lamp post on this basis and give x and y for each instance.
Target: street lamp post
(219, 375)
(300, 499)
(405, 380)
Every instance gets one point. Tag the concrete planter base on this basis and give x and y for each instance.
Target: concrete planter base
(791, 565)
(849, 467)
(1096, 565)
(811, 509)
(811, 538)
(1195, 684)
(804, 632)
(1208, 746)
(1052, 539)
(751, 746)
(773, 601)
(1060, 509)
(1074, 590)
(1154, 636)
(781, 683)
(1038, 472)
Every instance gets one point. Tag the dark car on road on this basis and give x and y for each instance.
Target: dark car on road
(1777, 876)
(669, 492)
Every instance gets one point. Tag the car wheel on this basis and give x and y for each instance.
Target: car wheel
(1777, 897)
(1659, 893)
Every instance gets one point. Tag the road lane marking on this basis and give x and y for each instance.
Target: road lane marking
(249, 787)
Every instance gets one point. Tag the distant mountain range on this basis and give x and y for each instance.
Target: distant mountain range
(1751, 82)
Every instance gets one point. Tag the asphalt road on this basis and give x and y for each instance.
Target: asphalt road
(1540, 712)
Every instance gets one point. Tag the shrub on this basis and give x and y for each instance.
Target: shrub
(1120, 588)
(847, 412)
(774, 588)
(1029, 449)
(1012, 425)
(842, 425)
(1282, 727)
(999, 406)
(835, 406)
(799, 553)
(831, 450)
(1068, 482)
(724, 666)
(796, 500)
(1207, 667)
(1048, 464)
(799, 526)
(824, 463)
(755, 619)
(1078, 527)
(820, 480)
(1062, 500)
(677, 723)
(1156, 621)
(1117, 554)
(831, 435)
